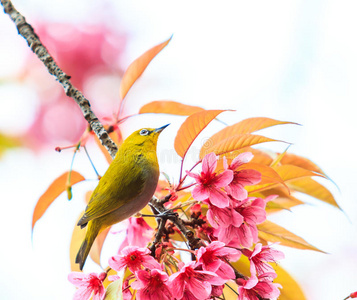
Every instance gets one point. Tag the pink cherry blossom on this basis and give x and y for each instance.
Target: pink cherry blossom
(254, 286)
(252, 210)
(134, 258)
(139, 233)
(260, 257)
(241, 177)
(246, 233)
(213, 259)
(191, 278)
(152, 285)
(223, 217)
(217, 290)
(88, 284)
(353, 295)
(209, 183)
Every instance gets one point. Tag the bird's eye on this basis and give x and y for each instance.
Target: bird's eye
(144, 132)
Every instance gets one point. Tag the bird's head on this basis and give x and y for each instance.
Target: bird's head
(145, 137)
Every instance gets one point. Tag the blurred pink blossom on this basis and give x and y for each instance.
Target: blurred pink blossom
(88, 284)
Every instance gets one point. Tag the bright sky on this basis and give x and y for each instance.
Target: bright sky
(288, 60)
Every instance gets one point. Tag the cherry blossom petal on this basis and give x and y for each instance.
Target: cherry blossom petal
(223, 179)
(248, 177)
(218, 197)
(200, 193)
(200, 289)
(251, 282)
(242, 158)
(194, 175)
(225, 271)
(219, 216)
(177, 285)
(151, 263)
(82, 293)
(77, 278)
(237, 191)
(209, 163)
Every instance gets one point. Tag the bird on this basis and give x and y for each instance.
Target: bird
(126, 187)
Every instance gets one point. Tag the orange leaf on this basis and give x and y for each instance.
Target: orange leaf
(137, 67)
(286, 172)
(191, 128)
(289, 172)
(78, 235)
(58, 186)
(291, 289)
(299, 161)
(284, 200)
(282, 203)
(169, 107)
(245, 126)
(96, 249)
(233, 143)
(272, 232)
(311, 187)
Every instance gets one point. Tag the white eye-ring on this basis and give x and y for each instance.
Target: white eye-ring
(144, 132)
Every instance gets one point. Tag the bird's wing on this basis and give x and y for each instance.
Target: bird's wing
(112, 193)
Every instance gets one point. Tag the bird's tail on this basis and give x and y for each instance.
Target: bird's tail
(92, 231)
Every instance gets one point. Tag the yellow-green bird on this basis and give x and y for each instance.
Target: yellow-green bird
(126, 187)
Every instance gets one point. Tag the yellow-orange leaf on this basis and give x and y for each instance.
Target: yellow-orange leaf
(299, 161)
(191, 128)
(282, 203)
(58, 186)
(169, 107)
(137, 67)
(291, 289)
(311, 187)
(245, 126)
(96, 249)
(272, 232)
(289, 172)
(78, 235)
(233, 143)
(284, 200)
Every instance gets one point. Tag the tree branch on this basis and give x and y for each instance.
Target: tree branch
(28, 33)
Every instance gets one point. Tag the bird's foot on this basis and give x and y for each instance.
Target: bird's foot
(165, 215)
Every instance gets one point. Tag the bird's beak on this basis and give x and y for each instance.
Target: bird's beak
(158, 130)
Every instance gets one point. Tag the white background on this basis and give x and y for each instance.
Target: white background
(288, 60)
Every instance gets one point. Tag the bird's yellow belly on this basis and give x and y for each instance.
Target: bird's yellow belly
(133, 206)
